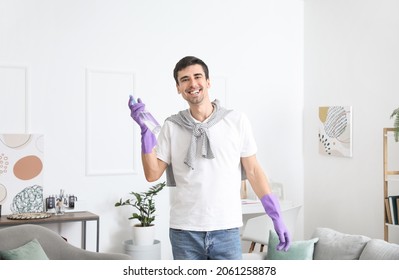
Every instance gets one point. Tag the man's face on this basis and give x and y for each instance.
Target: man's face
(192, 84)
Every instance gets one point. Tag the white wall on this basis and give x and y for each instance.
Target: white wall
(351, 58)
(254, 51)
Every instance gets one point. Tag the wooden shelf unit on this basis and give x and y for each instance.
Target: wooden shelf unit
(389, 176)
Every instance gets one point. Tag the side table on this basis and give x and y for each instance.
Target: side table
(147, 252)
(82, 216)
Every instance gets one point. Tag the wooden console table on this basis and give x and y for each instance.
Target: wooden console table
(68, 217)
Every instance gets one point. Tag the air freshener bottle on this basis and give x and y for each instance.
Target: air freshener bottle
(148, 119)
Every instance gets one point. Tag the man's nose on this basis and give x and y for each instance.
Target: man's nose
(193, 82)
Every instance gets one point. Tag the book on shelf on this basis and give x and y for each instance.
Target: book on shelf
(393, 206)
(388, 211)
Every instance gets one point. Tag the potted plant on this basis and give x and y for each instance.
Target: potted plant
(395, 114)
(144, 232)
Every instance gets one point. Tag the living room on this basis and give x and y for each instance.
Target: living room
(68, 67)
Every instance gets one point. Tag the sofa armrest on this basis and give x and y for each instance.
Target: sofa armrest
(55, 247)
(377, 249)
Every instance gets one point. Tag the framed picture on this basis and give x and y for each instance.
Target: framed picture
(335, 131)
(21, 172)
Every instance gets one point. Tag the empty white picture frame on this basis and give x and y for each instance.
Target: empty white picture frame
(110, 131)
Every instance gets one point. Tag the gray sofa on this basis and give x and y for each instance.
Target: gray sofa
(329, 244)
(334, 245)
(13, 239)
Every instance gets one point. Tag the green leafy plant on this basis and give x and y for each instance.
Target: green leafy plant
(144, 203)
(395, 114)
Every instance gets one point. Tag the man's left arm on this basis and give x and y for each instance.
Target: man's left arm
(260, 184)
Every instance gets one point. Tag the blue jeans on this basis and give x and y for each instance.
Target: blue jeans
(206, 245)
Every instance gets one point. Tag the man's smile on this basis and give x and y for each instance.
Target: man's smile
(194, 92)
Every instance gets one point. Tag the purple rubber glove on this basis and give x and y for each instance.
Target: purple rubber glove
(272, 208)
(148, 139)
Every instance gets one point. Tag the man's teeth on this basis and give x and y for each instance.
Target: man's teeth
(195, 92)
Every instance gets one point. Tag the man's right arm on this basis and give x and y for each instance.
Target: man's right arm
(153, 167)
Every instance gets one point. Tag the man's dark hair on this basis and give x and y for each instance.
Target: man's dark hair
(188, 61)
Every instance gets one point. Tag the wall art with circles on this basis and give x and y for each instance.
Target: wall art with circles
(21, 173)
(335, 131)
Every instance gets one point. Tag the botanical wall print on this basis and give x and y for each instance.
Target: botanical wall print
(21, 172)
(335, 131)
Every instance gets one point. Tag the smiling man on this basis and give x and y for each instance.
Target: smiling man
(206, 151)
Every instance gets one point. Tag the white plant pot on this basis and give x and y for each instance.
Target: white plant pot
(143, 236)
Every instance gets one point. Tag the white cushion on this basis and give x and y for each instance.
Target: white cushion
(334, 245)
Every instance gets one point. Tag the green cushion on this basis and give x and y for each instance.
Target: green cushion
(30, 251)
(299, 250)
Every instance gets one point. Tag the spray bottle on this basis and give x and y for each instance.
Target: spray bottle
(148, 119)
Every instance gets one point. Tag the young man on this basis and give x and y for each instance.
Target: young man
(206, 151)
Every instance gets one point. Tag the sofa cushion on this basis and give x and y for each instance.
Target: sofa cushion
(30, 251)
(334, 245)
(299, 250)
(377, 249)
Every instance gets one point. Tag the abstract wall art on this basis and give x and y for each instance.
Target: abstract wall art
(21, 172)
(335, 131)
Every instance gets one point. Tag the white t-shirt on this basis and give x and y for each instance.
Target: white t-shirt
(208, 197)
